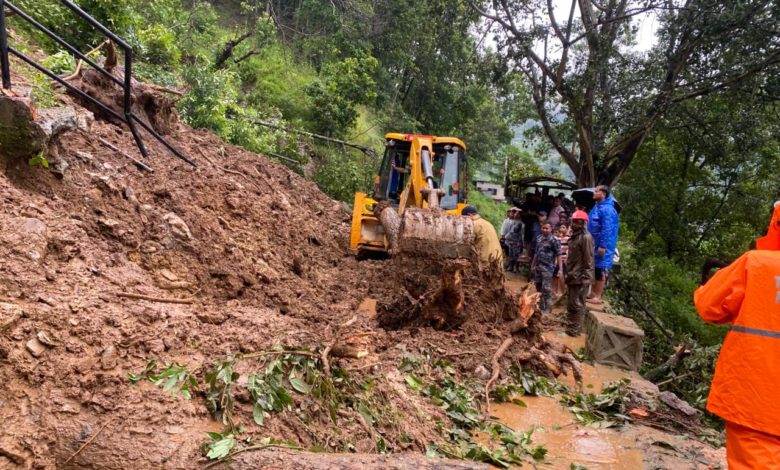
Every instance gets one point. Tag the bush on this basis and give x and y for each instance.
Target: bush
(341, 175)
(158, 46)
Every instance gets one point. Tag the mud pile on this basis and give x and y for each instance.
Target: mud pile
(255, 254)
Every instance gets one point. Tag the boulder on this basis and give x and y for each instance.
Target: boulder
(25, 132)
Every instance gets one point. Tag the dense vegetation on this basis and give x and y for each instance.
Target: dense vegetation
(697, 181)
(352, 69)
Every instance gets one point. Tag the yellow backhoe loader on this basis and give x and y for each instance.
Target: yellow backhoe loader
(416, 202)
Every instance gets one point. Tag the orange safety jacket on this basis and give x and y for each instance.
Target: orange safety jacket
(746, 386)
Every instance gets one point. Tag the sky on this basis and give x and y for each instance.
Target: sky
(648, 23)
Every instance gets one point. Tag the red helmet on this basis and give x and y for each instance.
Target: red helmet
(580, 215)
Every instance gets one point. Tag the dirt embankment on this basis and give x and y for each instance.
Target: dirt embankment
(259, 251)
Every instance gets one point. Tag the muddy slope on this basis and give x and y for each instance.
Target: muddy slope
(258, 249)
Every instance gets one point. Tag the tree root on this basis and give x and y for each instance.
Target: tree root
(496, 366)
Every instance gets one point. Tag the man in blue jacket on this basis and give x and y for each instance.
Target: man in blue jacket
(603, 226)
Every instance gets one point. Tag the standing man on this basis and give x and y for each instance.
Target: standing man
(509, 224)
(603, 226)
(580, 265)
(529, 218)
(485, 238)
(745, 386)
(547, 256)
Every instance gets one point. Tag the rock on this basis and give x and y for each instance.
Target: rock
(35, 347)
(22, 135)
(45, 339)
(212, 318)
(109, 358)
(178, 227)
(9, 313)
(129, 194)
(155, 346)
(26, 236)
(672, 401)
(281, 203)
(169, 275)
(150, 246)
(481, 372)
(53, 121)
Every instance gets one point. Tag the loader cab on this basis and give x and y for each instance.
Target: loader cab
(449, 171)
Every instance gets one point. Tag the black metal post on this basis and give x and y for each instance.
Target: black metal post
(159, 138)
(138, 140)
(4, 65)
(128, 82)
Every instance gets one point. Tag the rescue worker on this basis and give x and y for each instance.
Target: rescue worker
(547, 256)
(580, 276)
(603, 227)
(747, 374)
(485, 238)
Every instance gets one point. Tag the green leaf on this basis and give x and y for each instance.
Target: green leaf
(258, 414)
(539, 452)
(519, 402)
(221, 448)
(300, 386)
(413, 382)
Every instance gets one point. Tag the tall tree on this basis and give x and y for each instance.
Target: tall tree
(592, 88)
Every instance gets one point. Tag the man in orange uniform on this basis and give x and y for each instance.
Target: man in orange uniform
(746, 388)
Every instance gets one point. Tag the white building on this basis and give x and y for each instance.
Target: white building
(491, 190)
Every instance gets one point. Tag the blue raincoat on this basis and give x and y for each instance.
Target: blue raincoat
(603, 226)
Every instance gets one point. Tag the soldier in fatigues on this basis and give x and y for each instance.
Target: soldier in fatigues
(580, 275)
(547, 256)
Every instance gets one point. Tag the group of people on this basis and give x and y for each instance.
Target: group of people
(567, 248)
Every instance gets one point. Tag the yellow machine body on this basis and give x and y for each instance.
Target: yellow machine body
(404, 190)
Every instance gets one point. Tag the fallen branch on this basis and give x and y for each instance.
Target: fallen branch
(163, 89)
(247, 449)
(361, 420)
(272, 353)
(81, 62)
(496, 369)
(365, 366)
(116, 149)
(88, 442)
(130, 295)
(664, 382)
(226, 170)
(325, 362)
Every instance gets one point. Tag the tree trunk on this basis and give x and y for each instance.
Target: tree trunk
(290, 459)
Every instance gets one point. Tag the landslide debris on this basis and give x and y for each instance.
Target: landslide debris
(125, 292)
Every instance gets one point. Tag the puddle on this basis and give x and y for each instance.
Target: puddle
(565, 441)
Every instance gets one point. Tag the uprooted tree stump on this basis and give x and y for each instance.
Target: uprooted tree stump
(147, 102)
(444, 294)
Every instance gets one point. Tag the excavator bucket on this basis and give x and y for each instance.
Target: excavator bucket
(435, 233)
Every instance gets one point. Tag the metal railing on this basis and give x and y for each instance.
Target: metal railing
(129, 117)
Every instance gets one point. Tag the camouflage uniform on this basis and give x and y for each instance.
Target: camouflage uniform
(546, 254)
(579, 278)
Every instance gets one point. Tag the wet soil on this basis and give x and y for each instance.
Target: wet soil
(259, 258)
